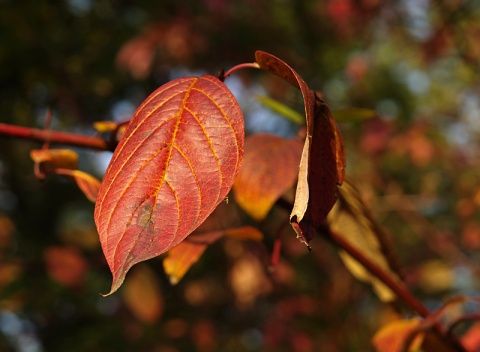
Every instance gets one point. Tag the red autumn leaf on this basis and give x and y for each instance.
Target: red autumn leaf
(323, 156)
(269, 169)
(175, 163)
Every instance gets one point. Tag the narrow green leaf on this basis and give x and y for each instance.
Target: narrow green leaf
(282, 109)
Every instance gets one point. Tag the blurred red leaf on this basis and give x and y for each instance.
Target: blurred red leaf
(66, 265)
(471, 339)
(176, 41)
(270, 168)
(175, 163)
(323, 157)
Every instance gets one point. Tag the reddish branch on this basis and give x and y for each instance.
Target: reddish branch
(401, 291)
(54, 137)
(43, 135)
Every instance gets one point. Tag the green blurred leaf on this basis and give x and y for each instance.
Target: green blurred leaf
(282, 109)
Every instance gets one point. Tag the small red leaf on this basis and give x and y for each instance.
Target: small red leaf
(175, 163)
(66, 265)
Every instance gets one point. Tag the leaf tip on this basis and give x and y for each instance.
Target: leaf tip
(116, 283)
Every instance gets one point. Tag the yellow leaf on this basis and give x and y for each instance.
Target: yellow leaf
(351, 220)
(435, 276)
(105, 126)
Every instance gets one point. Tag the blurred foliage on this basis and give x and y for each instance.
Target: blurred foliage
(416, 164)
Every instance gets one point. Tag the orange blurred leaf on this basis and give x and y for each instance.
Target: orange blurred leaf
(248, 279)
(391, 337)
(270, 167)
(88, 184)
(245, 233)
(187, 253)
(181, 258)
(143, 296)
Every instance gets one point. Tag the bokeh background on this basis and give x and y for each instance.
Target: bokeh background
(415, 63)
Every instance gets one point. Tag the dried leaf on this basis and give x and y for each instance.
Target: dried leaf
(175, 163)
(323, 156)
(143, 296)
(56, 158)
(269, 169)
(351, 219)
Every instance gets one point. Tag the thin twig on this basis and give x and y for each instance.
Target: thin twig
(222, 75)
(55, 137)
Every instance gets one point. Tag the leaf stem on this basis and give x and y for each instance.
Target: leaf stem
(43, 135)
(223, 75)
